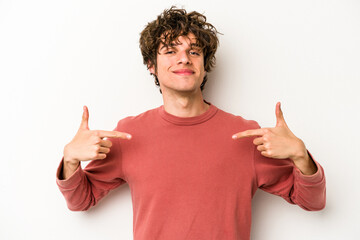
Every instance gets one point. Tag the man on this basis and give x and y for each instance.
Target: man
(192, 168)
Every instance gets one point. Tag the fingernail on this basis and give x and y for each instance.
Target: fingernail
(128, 136)
(234, 136)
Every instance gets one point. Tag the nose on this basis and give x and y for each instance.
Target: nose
(183, 58)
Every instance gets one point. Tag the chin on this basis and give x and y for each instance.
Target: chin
(181, 86)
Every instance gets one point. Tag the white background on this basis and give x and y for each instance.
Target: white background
(56, 56)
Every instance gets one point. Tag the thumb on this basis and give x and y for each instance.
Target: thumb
(280, 121)
(85, 119)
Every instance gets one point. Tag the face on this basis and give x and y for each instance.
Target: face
(180, 67)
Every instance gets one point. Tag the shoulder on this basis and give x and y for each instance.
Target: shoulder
(236, 120)
(140, 120)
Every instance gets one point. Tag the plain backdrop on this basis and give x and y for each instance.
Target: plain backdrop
(56, 56)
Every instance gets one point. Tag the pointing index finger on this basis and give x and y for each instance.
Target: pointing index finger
(113, 134)
(249, 133)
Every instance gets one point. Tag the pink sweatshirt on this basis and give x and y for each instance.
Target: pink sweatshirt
(188, 178)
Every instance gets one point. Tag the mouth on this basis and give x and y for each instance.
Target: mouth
(183, 72)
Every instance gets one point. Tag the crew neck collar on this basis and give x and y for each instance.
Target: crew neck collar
(186, 121)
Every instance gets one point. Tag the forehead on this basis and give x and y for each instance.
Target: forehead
(189, 39)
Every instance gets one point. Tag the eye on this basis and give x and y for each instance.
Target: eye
(169, 52)
(194, 53)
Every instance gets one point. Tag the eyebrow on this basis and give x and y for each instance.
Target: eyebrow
(171, 45)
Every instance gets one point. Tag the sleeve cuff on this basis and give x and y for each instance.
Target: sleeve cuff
(72, 181)
(315, 178)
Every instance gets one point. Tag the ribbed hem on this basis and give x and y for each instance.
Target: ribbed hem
(72, 181)
(315, 178)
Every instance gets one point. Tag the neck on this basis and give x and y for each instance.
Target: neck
(185, 105)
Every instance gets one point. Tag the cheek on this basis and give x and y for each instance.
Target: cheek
(202, 69)
(202, 64)
(164, 64)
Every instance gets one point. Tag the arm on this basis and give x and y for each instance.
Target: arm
(84, 188)
(281, 177)
(284, 166)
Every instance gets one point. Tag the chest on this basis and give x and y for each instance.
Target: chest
(186, 162)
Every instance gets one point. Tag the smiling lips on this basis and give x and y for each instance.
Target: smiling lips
(183, 72)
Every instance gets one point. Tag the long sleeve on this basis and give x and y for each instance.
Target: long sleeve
(87, 186)
(282, 178)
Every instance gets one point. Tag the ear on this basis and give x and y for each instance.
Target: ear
(151, 68)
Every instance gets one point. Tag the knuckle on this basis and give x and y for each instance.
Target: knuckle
(96, 139)
(108, 143)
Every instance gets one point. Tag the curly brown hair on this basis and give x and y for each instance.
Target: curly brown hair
(172, 24)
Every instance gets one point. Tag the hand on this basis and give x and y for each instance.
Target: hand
(89, 144)
(278, 142)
